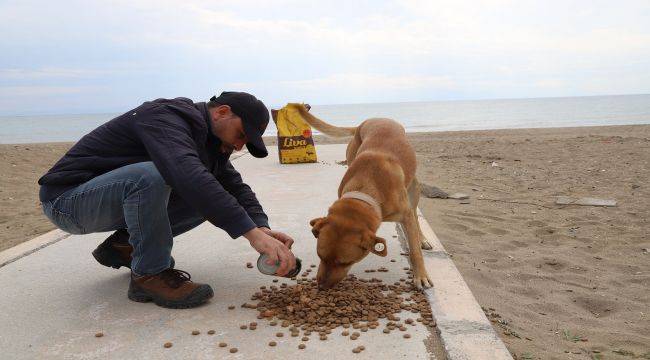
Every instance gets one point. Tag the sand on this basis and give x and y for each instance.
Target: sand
(554, 279)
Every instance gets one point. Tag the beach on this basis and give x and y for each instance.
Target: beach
(558, 281)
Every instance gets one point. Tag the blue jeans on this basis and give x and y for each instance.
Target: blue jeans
(136, 198)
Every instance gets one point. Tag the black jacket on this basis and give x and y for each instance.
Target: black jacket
(174, 134)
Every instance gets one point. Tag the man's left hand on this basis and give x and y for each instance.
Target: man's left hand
(284, 238)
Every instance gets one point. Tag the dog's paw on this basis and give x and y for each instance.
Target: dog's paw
(421, 280)
(426, 245)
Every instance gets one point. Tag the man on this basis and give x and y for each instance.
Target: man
(158, 171)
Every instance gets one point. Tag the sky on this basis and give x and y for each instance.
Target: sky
(60, 57)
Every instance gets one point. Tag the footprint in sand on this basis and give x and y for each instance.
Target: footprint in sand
(536, 223)
(471, 220)
(598, 307)
(545, 231)
(457, 227)
(525, 291)
(518, 244)
(497, 231)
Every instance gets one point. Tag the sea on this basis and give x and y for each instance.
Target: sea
(415, 116)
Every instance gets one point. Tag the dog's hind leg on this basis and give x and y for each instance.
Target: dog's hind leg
(353, 147)
(414, 198)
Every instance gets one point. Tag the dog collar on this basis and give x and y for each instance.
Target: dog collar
(365, 198)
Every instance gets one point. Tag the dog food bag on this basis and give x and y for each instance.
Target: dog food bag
(295, 143)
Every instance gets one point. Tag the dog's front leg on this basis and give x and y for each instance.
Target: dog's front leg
(420, 276)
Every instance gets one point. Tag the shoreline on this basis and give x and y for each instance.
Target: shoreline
(592, 129)
(544, 269)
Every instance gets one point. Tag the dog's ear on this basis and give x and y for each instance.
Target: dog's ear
(376, 245)
(317, 224)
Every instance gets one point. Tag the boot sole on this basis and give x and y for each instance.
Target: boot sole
(197, 297)
(107, 258)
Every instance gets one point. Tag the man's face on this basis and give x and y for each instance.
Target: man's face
(229, 129)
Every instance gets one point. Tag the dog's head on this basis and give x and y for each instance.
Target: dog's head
(345, 236)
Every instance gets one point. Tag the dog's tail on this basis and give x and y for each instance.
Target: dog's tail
(322, 126)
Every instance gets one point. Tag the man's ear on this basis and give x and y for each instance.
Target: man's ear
(317, 224)
(376, 245)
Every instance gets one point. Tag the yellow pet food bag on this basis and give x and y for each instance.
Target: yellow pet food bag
(295, 143)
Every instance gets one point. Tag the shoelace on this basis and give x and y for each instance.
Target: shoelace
(174, 277)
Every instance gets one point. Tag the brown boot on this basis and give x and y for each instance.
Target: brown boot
(170, 288)
(116, 251)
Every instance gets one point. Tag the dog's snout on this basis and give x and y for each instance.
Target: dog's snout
(324, 285)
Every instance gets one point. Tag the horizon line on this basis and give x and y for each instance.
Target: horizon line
(347, 104)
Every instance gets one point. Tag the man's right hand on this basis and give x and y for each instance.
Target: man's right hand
(274, 248)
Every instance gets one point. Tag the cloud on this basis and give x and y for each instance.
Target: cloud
(29, 91)
(48, 73)
(340, 51)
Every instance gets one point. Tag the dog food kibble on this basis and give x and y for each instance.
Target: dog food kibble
(222, 344)
(233, 350)
(99, 334)
(195, 332)
(211, 332)
(167, 345)
(361, 347)
(354, 302)
(356, 350)
(272, 343)
(243, 327)
(301, 346)
(249, 265)
(406, 336)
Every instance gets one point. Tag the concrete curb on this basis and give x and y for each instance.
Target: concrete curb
(29, 247)
(465, 331)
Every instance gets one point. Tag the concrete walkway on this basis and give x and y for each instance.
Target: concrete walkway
(55, 297)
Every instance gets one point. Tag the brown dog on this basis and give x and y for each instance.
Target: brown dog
(379, 185)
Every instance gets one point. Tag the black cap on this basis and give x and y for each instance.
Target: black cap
(254, 116)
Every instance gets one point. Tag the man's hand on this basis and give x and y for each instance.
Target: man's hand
(286, 239)
(274, 248)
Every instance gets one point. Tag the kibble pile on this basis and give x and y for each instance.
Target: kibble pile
(358, 302)
(353, 303)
